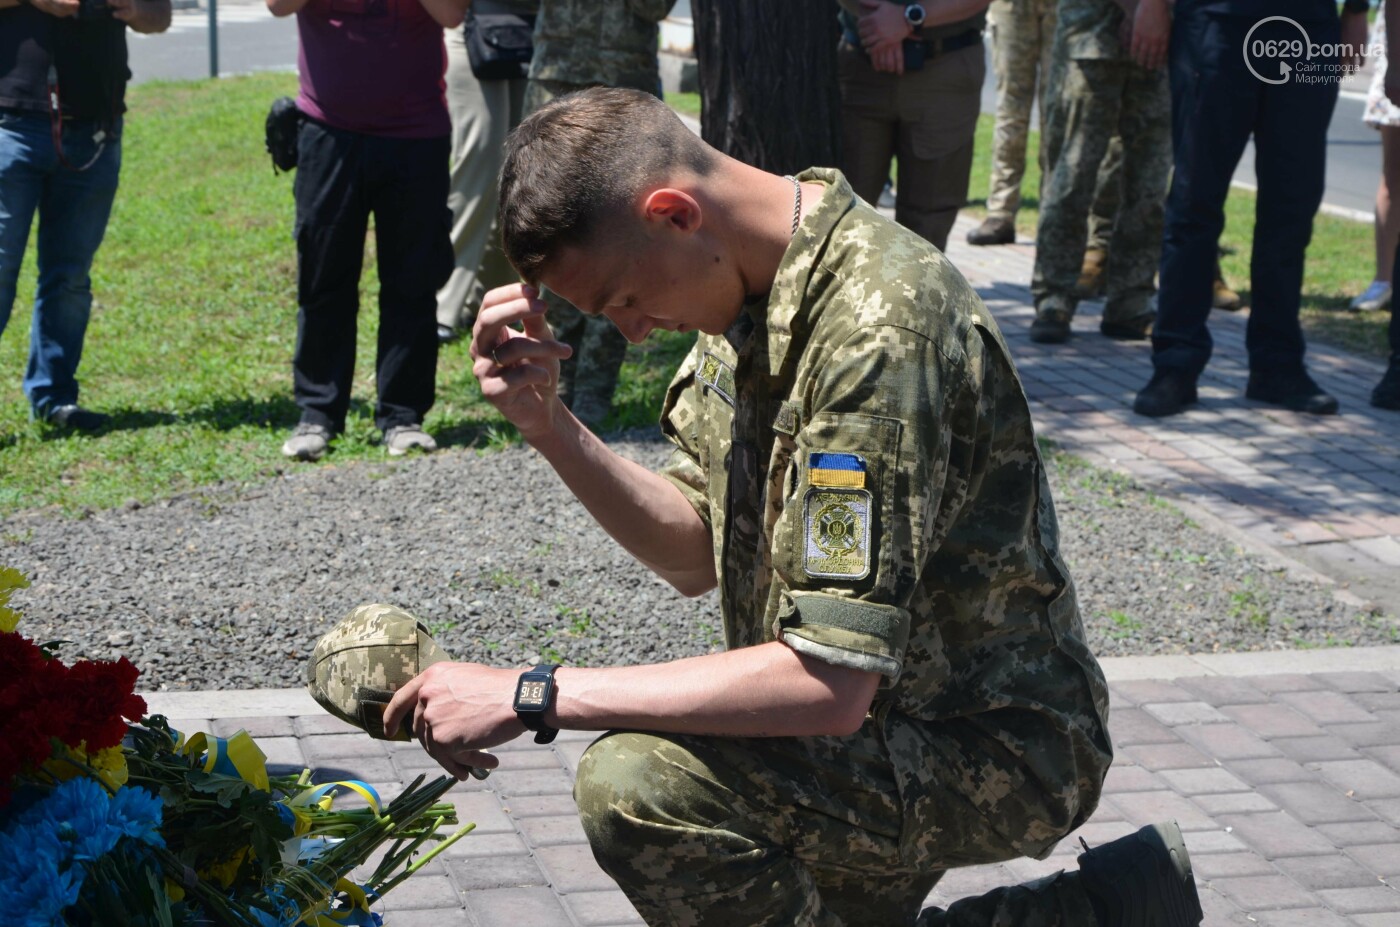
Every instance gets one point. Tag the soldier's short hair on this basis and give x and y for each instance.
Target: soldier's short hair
(581, 158)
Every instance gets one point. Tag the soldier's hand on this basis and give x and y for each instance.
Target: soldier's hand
(457, 711)
(1152, 30)
(518, 369)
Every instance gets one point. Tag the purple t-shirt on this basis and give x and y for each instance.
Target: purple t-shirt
(373, 66)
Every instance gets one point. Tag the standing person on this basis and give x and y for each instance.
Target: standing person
(1023, 33)
(375, 141)
(63, 77)
(482, 111)
(906, 686)
(911, 88)
(1383, 116)
(1220, 98)
(1386, 395)
(1109, 72)
(580, 44)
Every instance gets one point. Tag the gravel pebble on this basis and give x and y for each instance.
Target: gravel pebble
(229, 587)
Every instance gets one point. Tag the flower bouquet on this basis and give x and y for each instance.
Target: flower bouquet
(109, 817)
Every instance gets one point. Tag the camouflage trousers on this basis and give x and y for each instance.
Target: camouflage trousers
(1097, 100)
(1022, 37)
(588, 378)
(796, 832)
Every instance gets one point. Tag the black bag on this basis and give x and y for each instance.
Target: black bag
(499, 43)
(283, 121)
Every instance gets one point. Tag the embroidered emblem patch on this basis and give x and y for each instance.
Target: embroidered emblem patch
(846, 470)
(837, 538)
(717, 375)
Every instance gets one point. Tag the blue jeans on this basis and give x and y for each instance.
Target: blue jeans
(73, 207)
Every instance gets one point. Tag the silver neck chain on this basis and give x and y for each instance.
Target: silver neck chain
(796, 201)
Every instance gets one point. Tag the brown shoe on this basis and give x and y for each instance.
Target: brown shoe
(1091, 282)
(1222, 297)
(993, 231)
(1134, 329)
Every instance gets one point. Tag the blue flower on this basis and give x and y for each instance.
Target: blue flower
(78, 811)
(137, 813)
(36, 883)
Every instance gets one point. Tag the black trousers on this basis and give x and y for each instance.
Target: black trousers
(1217, 104)
(342, 179)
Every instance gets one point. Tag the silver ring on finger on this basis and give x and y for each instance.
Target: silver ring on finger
(496, 358)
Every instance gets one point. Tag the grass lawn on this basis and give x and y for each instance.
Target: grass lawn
(195, 317)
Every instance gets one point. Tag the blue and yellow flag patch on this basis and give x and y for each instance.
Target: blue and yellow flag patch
(846, 471)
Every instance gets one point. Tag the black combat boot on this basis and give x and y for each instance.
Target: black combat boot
(1170, 390)
(1291, 388)
(1142, 880)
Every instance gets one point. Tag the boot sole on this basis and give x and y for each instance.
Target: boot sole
(1293, 405)
(1180, 905)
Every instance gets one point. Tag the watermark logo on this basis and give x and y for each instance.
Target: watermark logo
(1278, 50)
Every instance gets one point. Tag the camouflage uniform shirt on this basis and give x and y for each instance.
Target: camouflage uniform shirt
(585, 42)
(862, 451)
(1089, 29)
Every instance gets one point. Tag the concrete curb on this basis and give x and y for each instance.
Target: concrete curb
(264, 703)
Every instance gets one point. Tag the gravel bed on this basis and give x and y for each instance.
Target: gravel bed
(230, 587)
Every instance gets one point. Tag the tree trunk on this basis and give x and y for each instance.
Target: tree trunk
(768, 81)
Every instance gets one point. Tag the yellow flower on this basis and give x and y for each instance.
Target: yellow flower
(109, 764)
(10, 580)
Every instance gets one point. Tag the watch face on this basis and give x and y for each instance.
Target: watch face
(532, 693)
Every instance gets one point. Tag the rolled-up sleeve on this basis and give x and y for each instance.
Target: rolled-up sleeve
(845, 632)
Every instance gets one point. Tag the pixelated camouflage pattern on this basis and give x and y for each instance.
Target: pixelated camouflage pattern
(1022, 33)
(1095, 100)
(1107, 192)
(1089, 29)
(359, 664)
(987, 738)
(608, 42)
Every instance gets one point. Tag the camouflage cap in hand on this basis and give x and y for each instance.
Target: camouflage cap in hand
(360, 663)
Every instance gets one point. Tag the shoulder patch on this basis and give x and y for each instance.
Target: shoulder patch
(846, 470)
(716, 375)
(837, 536)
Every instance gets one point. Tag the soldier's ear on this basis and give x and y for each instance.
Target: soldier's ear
(673, 208)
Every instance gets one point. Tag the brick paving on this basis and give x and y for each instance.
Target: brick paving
(1283, 771)
(1287, 479)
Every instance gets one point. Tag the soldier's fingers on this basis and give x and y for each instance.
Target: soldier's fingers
(513, 379)
(401, 705)
(527, 348)
(493, 320)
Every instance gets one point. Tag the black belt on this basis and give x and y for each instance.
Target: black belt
(932, 46)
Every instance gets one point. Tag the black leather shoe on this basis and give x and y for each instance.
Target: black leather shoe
(1386, 395)
(1168, 392)
(992, 232)
(1294, 390)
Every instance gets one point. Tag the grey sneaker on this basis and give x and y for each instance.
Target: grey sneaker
(75, 417)
(401, 439)
(1142, 880)
(308, 442)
